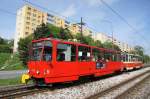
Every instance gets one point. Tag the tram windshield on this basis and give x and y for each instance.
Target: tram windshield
(41, 51)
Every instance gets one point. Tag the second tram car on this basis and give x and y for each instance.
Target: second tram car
(131, 61)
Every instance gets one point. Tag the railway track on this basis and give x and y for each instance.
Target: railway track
(132, 90)
(23, 90)
(20, 90)
(113, 88)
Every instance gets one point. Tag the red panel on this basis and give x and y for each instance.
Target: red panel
(133, 64)
(61, 79)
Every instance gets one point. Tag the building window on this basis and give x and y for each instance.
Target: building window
(29, 8)
(34, 15)
(26, 33)
(33, 24)
(27, 27)
(38, 21)
(28, 18)
(28, 23)
(34, 10)
(33, 19)
(49, 15)
(28, 13)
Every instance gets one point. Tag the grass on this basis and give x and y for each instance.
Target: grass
(10, 61)
(12, 81)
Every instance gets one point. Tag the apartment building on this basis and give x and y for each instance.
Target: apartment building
(87, 31)
(105, 38)
(28, 18)
(74, 28)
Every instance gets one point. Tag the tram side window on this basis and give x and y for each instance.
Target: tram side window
(47, 52)
(114, 57)
(127, 58)
(124, 57)
(119, 57)
(66, 52)
(139, 59)
(108, 56)
(133, 58)
(84, 53)
(97, 55)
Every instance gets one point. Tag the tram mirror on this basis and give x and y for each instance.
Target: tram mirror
(80, 53)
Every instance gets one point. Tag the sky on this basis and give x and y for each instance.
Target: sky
(95, 14)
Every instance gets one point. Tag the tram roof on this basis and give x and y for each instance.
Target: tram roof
(75, 43)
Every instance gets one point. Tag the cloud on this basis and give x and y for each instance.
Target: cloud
(69, 11)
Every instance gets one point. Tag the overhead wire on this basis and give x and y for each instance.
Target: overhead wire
(124, 20)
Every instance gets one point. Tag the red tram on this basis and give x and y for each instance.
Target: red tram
(53, 60)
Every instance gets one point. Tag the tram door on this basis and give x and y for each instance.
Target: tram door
(66, 59)
(84, 60)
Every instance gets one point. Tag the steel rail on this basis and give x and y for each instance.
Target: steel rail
(131, 88)
(18, 91)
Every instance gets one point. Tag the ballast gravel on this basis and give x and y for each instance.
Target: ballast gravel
(139, 91)
(114, 94)
(85, 90)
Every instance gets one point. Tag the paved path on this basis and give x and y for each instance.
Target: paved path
(11, 74)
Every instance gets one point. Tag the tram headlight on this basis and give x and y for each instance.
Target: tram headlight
(46, 71)
(28, 71)
(38, 72)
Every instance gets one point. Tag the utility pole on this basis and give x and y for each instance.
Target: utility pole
(81, 28)
(112, 40)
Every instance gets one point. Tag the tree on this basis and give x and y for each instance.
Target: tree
(41, 31)
(107, 45)
(85, 39)
(116, 47)
(146, 58)
(65, 34)
(139, 50)
(110, 46)
(54, 31)
(23, 48)
(6, 46)
(2, 41)
(49, 30)
(98, 43)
